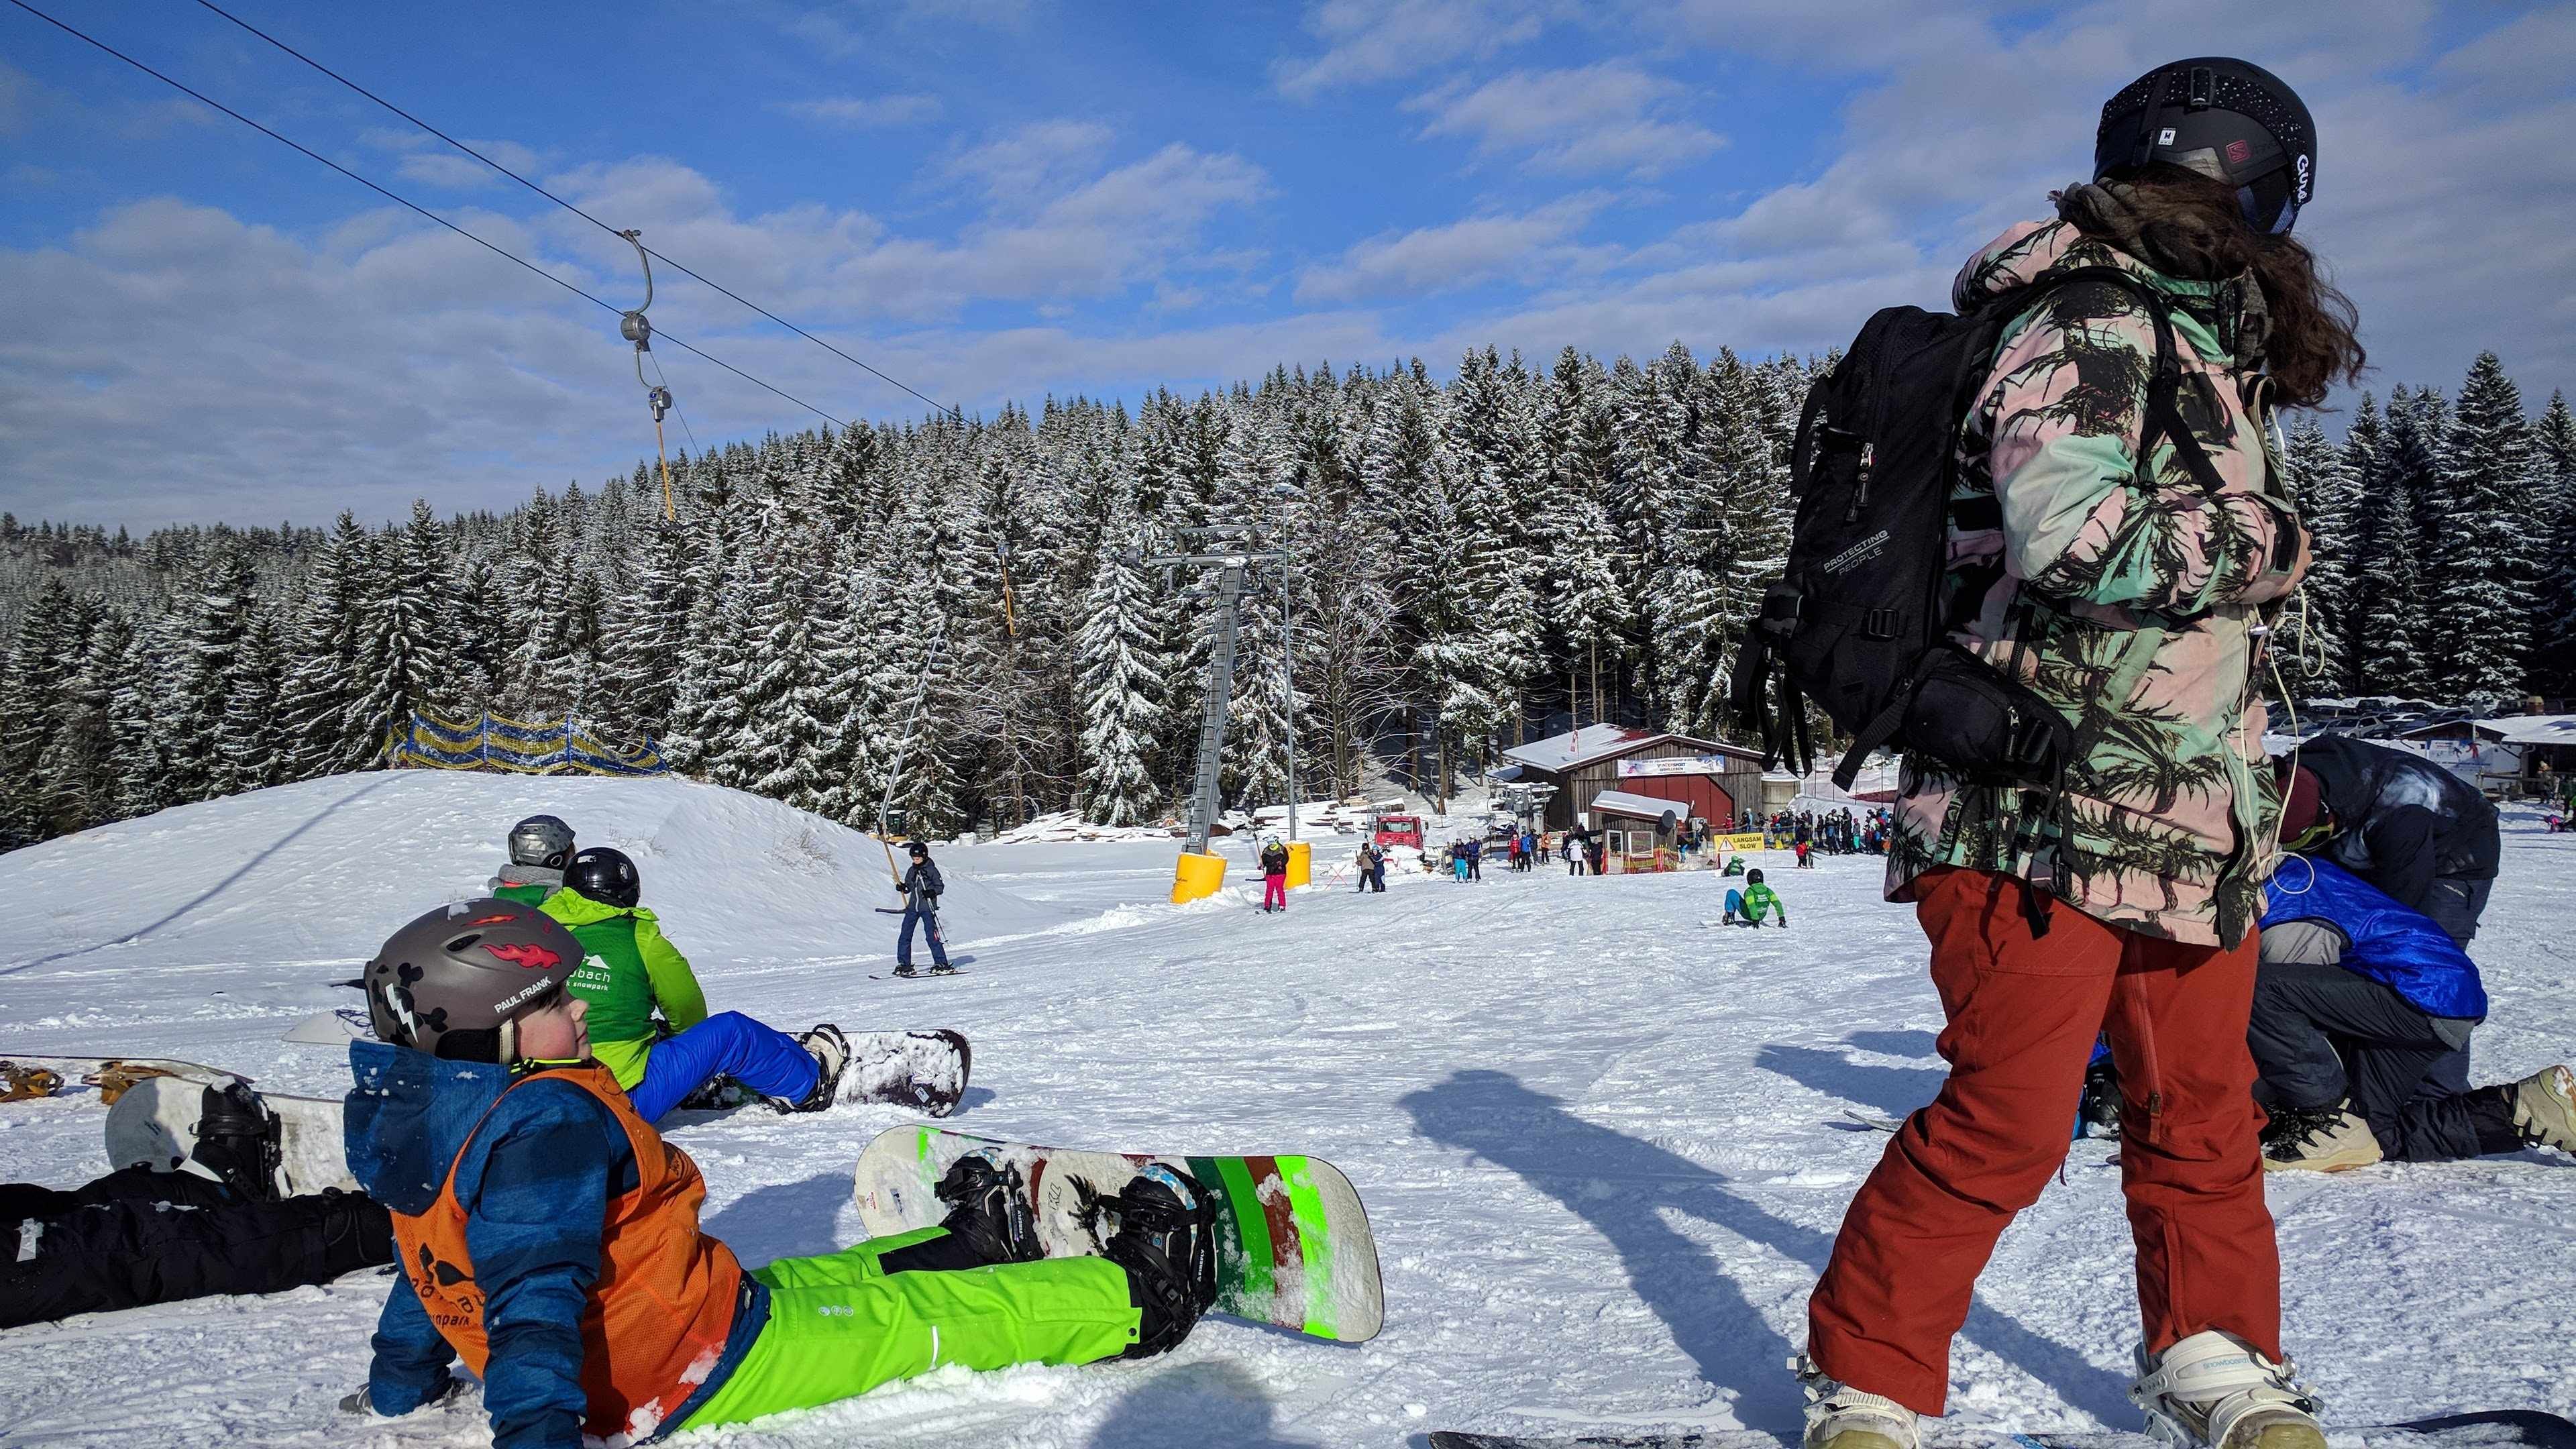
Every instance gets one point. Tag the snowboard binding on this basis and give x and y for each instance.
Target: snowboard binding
(238, 1140)
(831, 1053)
(1166, 1240)
(988, 1209)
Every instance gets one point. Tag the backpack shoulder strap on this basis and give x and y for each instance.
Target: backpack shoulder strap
(2163, 416)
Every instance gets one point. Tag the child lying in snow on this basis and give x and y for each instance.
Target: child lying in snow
(549, 1237)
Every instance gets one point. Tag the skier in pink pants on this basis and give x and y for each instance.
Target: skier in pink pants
(1274, 875)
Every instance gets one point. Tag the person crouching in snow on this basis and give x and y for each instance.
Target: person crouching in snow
(540, 847)
(628, 969)
(2362, 1013)
(1274, 875)
(1747, 906)
(549, 1237)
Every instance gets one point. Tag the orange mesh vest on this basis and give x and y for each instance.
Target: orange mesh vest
(656, 1318)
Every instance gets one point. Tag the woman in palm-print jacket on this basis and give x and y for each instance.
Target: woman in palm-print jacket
(2134, 591)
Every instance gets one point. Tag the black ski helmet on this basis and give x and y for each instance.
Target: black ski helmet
(605, 876)
(453, 982)
(1753, 876)
(2230, 120)
(541, 840)
(917, 850)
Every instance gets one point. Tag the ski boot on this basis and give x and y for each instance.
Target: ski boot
(988, 1209)
(2214, 1390)
(831, 1052)
(2544, 1109)
(1842, 1417)
(1166, 1240)
(237, 1141)
(2319, 1139)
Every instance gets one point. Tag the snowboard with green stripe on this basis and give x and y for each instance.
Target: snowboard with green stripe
(1294, 1247)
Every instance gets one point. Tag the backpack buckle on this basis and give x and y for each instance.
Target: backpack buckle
(1878, 624)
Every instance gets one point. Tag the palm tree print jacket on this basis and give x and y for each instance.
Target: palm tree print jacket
(2123, 592)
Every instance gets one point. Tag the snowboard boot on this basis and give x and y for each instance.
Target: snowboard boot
(2100, 1113)
(1842, 1417)
(237, 1141)
(943, 969)
(906, 971)
(2214, 1390)
(2319, 1139)
(831, 1053)
(27, 1083)
(2544, 1109)
(988, 1210)
(1166, 1240)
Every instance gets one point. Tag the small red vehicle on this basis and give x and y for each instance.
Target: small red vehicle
(1398, 830)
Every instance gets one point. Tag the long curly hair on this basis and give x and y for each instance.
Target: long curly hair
(2190, 226)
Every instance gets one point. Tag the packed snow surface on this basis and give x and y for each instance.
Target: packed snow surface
(1600, 1140)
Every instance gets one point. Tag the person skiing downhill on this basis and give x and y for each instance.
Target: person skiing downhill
(629, 969)
(1274, 875)
(549, 1237)
(540, 847)
(921, 886)
(2128, 572)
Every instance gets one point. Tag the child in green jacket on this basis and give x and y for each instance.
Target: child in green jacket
(628, 968)
(1746, 907)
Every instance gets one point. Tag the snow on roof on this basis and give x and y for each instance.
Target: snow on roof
(1579, 747)
(2531, 729)
(1622, 803)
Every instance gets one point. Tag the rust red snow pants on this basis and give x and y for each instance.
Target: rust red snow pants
(2022, 1018)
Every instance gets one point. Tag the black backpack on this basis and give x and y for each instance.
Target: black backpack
(1855, 622)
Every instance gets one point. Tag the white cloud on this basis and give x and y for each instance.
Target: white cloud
(865, 111)
(1590, 119)
(1375, 40)
(1034, 161)
(1532, 245)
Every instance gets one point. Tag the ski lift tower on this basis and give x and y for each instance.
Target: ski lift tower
(1232, 549)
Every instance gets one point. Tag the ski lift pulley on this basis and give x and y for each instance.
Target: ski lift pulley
(635, 327)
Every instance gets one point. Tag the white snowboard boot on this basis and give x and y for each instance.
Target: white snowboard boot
(1842, 1417)
(2213, 1390)
(831, 1053)
(2323, 1139)
(2544, 1109)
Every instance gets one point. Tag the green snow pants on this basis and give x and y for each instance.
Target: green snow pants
(841, 1324)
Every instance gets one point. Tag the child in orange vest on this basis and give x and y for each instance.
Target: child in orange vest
(549, 1237)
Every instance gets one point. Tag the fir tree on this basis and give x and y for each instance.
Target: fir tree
(2481, 606)
(2553, 518)
(2315, 640)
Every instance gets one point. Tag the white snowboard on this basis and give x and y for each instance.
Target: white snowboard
(155, 1124)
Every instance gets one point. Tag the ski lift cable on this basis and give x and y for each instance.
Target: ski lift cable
(413, 206)
(682, 268)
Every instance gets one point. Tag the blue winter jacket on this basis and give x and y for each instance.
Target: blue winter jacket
(2391, 944)
(535, 1188)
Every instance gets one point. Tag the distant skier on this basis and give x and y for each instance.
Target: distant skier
(1372, 867)
(1747, 906)
(628, 970)
(549, 1236)
(540, 847)
(2362, 1016)
(1806, 854)
(921, 887)
(1274, 875)
(1475, 859)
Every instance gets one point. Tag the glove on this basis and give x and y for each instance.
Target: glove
(361, 1402)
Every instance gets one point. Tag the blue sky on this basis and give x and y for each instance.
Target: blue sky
(1002, 199)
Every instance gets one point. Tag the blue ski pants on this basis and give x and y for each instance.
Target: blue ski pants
(929, 922)
(728, 1044)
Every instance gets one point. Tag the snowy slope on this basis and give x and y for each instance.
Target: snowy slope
(1596, 1137)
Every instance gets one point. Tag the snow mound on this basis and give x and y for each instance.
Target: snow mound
(316, 874)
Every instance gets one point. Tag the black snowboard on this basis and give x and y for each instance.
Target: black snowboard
(2501, 1429)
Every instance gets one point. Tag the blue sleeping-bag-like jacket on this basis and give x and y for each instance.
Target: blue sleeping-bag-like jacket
(2391, 944)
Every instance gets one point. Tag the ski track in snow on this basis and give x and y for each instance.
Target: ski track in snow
(1599, 1141)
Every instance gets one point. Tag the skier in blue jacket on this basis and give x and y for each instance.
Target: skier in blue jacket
(2362, 1013)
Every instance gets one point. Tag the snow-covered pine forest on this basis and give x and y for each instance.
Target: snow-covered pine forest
(1474, 560)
